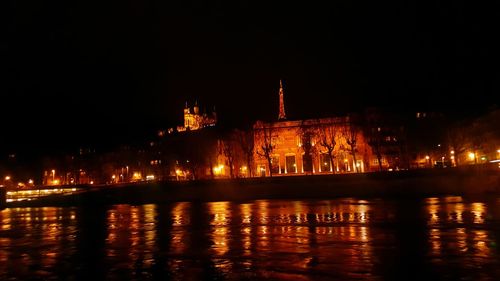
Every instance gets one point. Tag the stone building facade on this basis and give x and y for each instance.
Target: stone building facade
(311, 146)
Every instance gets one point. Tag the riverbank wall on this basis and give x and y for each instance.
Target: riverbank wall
(478, 180)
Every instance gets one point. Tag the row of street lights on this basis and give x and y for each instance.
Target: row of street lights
(471, 156)
(8, 182)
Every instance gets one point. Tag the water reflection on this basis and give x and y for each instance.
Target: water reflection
(438, 238)
(286, 239)
(131, 238)
(460, 238)
(35, 240)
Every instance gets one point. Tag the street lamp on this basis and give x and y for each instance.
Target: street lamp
(472, 156)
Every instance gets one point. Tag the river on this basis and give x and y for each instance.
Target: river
(448, 238)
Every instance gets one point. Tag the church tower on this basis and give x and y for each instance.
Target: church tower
(196, 108)
(282, 115)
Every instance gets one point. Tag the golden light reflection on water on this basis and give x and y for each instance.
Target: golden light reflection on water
(246, 213)
(457, 215)
(435, 239)
(480, 241)
(180, 214)
(179, 234)
(220, 213)
(5, 219)
(434, 217)
(35, 239)
(131, 235)
(306, 236)
(5, 241)
(220, 235)
(332, 239)
(263, 208)
(455, 211)
(461, 241)
(478, 210)
(453, 230)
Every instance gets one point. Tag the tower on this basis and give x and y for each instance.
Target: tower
(196, 108)
(188, 122)
(282, 115)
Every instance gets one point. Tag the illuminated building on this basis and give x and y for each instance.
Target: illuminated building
(195, 121)
(306, 146)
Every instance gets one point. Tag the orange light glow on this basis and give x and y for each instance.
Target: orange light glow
(472, 155)
(136, 176)
(219, 170)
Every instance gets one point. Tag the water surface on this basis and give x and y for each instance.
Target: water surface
(447, 238)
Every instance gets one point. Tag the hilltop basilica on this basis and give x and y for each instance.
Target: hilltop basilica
(194, 120)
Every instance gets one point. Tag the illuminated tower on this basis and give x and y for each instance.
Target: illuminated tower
(282, 115)
(196, 108)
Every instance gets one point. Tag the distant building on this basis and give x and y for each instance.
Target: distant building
(478, 141)
(386, 134)
(194, 120)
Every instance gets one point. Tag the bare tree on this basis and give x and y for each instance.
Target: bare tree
(457, 139)
(327, 138)
(306, 133)
(197, 152)
(376, 142)
(265, 133)
(246, 142)
(350, 132)
(227, 148)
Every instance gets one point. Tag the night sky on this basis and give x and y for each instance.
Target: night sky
(100, 73)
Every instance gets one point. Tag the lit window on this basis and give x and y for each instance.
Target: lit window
(291, 166)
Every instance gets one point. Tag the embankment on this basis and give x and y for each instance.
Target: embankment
(467, 181)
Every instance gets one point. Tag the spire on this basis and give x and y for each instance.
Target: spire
(196, 108)
(282, 115)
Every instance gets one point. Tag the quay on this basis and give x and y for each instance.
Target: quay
(464, 181)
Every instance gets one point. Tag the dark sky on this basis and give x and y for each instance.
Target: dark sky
(105, 72)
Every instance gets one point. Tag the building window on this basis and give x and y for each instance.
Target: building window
(291, 166)
(307, 163)
(261, 170)
(375, 161)
(325, 163)
(275, 164)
